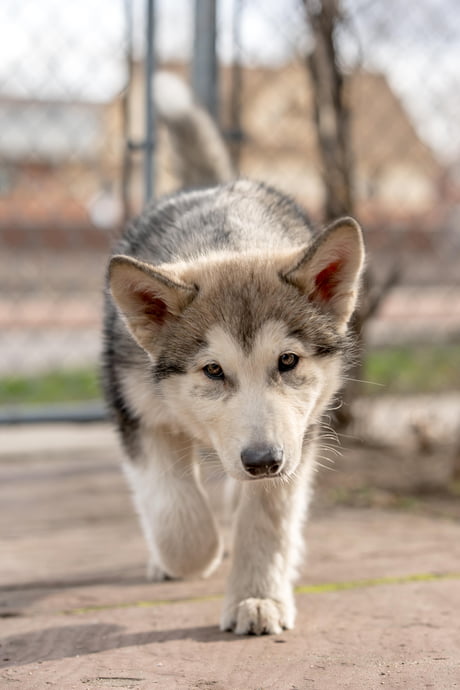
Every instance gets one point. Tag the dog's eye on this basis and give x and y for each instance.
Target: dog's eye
(214, 371)
(287, 361)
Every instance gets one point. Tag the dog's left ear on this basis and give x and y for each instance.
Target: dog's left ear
(148, 297)
(328, 271)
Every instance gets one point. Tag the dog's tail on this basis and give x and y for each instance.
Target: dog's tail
(202, 158)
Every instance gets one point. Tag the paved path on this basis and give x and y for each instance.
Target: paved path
(378, 600)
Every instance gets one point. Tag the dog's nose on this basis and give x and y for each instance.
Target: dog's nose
(262, 461)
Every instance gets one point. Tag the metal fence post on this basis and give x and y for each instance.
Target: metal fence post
(149, 140)
(235, 134)
(204, 62)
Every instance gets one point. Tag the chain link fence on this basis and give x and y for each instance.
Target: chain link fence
(60, 203)
(72, 123)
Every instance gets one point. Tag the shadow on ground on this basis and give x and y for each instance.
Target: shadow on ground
(63, 642)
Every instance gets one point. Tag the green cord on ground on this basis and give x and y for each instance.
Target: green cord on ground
(302, 589)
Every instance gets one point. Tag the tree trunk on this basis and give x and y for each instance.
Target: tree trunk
(331, 107)
(332, 119)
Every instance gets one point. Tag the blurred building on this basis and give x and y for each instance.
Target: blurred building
(396, 174)
(394, 169)
(62, 161)
(57, 159)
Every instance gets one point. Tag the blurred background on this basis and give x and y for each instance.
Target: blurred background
(350, 106)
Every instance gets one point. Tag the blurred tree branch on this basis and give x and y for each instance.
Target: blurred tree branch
(331, 108)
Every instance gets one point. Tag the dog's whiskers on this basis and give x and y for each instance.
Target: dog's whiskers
(372, 383)
(325, 467)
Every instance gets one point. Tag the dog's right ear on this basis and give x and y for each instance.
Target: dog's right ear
(147, 296)
(329, 270)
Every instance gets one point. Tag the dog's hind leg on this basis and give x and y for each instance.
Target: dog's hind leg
(174, 510)
(267, 548)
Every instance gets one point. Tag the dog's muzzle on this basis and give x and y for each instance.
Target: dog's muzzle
(262, 460)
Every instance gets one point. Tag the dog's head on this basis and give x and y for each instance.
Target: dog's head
(247, 349)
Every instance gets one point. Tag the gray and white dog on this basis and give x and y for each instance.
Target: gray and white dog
(226, 330)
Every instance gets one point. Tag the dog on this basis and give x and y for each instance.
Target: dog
(226, 330)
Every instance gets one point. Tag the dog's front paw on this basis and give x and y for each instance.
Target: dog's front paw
(258, 617)
(155, 573)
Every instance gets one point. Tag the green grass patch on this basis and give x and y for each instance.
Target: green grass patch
(61, 386)
(405, 369)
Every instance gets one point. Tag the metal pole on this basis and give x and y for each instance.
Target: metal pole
(127, 153)
(235, 135)
(204, 64)
(81, 413)
(149, 109)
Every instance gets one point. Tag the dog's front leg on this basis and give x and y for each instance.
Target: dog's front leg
(268, 546)
(174, 510)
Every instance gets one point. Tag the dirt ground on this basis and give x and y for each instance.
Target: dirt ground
(378, 597)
